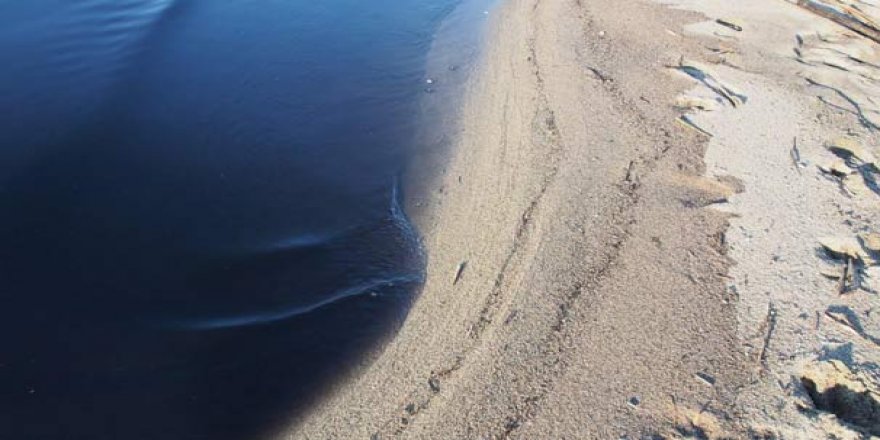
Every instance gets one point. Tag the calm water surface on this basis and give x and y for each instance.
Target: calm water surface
(199, 219)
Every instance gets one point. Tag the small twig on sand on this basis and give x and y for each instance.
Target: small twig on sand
(730, 24)
(851, 322)
(629, 171)
(853, 275)
(841, 286)
(599, 74)
(796, 156)
(675, 407)
(841, 321)
(686, 122)
(770, 324)
(459, 272)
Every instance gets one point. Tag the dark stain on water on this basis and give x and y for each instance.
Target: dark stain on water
(199, 218)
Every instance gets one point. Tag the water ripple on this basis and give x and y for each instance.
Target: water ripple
(101, 36)
(370, 287)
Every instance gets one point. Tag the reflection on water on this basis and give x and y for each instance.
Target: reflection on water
(199, 220)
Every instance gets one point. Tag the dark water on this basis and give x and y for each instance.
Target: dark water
(199, 218)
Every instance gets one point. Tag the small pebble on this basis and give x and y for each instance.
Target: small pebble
(434, 383)
(634, 402)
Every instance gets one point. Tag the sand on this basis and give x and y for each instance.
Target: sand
(599, 269)
(776, 144)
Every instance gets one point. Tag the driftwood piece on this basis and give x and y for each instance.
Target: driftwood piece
(845, 16)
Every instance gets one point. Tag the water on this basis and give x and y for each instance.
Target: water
(199, 206)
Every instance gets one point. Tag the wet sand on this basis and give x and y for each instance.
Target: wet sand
(601, 268)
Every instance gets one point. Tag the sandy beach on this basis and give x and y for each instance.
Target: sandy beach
(658, 220)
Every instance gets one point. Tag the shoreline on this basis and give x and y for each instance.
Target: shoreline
(583, 279)
(527, 158)
(453, 62)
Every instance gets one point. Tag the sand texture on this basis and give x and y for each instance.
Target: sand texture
(637, 235)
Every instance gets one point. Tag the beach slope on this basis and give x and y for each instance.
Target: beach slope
(583, 281)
